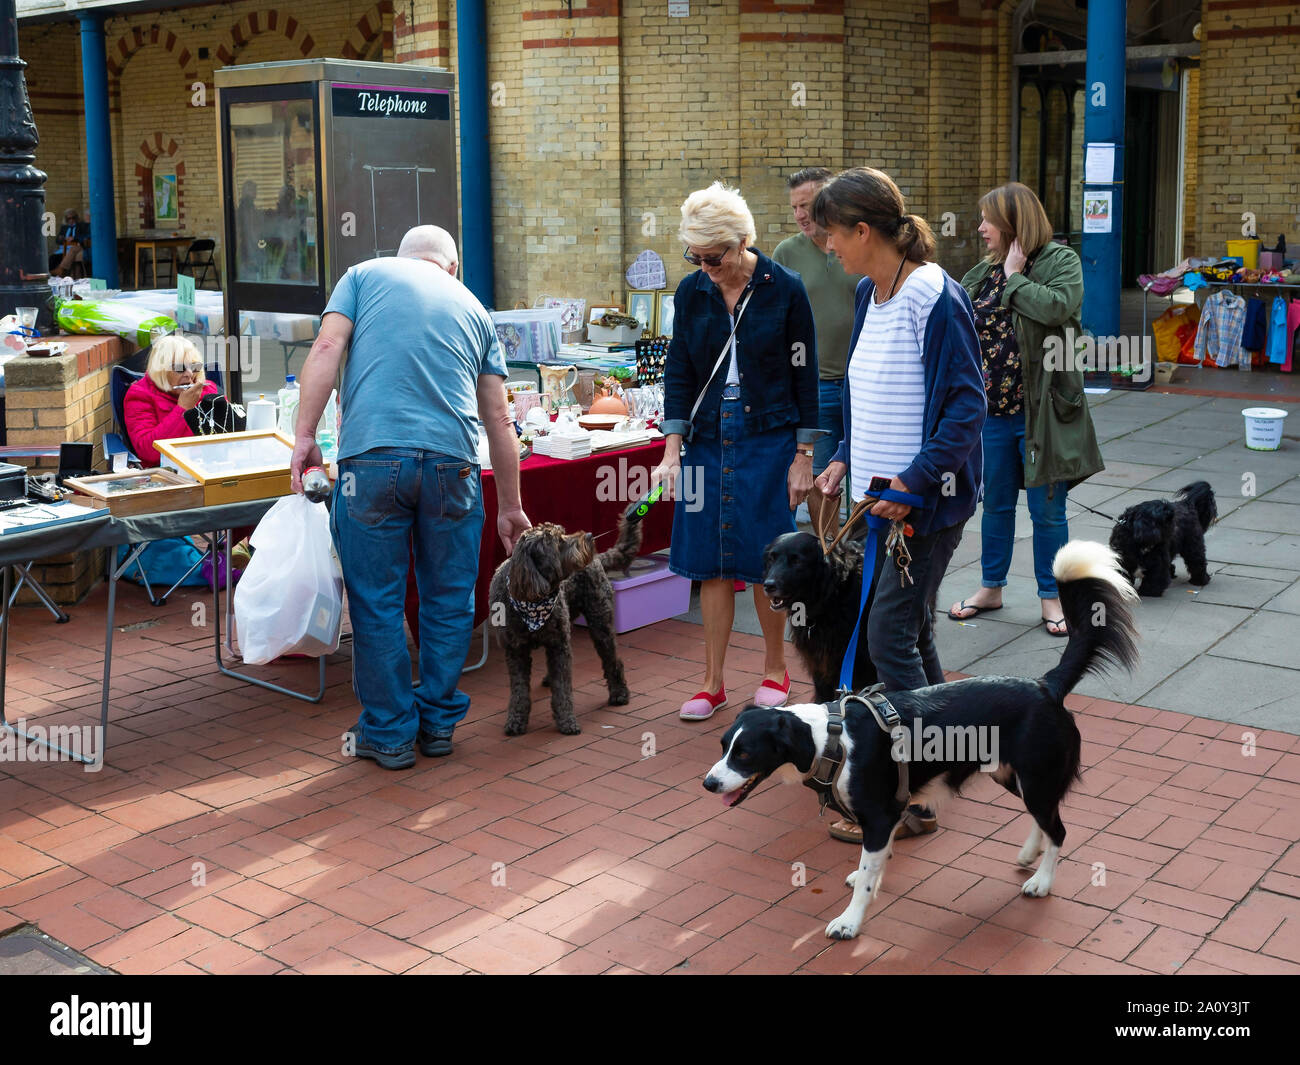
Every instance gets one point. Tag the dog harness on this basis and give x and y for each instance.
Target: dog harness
(534, 615)
(826, 770)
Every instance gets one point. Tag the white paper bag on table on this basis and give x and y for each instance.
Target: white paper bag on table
(290, 598)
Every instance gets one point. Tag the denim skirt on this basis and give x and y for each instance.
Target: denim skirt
(732, 499)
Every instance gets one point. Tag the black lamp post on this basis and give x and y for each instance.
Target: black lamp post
(23, 265)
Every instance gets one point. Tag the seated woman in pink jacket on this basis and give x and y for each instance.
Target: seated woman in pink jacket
(155, 405)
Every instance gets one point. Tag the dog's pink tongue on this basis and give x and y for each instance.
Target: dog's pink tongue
(728, 798)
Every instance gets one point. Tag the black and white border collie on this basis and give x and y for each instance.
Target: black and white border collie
(1037, 742)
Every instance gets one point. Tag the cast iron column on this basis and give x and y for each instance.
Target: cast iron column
(23, 258)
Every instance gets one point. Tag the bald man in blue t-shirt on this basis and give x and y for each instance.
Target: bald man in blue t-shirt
(423, 369)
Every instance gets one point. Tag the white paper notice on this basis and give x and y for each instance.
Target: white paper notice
(679, 8)
(1099, 164)
(1096, 211)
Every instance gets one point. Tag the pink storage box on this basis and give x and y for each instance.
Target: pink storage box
(652, 593)
(1270, 260)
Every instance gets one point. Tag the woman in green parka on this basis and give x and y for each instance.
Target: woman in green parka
(1039, 435)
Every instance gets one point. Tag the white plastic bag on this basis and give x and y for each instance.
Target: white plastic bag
(290, 598)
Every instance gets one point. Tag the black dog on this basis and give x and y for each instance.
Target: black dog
(1017, 727)
(1148, 536)
(550, 578)
(821, 593)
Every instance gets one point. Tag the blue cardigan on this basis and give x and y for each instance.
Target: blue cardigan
(955, 409)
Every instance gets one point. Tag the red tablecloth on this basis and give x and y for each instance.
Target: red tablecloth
(587, 494)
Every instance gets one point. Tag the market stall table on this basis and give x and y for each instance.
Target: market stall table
(585, 494)
(20, 548)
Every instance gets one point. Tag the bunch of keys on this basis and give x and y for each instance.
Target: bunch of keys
(896, 545)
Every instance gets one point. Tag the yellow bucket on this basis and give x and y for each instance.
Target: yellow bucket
(1247, 251)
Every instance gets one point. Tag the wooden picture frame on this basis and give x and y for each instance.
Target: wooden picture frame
(664, 314)
(641, 306)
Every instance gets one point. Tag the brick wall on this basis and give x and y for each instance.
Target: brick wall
(1249, 121)
(158, 118)
(603, 123)
(54, 401)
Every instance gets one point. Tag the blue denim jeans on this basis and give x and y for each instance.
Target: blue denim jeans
(384, 500)
(830, 419)
(1004, 464)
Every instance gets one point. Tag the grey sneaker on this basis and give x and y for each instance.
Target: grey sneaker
(389, 759)
(435, 744)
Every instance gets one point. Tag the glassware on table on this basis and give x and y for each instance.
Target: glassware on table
(27, 316)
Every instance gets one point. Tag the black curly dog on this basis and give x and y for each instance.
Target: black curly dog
(549, 579)
(821, 593)
(1148, 536)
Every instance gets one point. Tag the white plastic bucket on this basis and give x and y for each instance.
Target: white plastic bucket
(1264, 428)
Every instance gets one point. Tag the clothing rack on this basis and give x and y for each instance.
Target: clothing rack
(1253, 285)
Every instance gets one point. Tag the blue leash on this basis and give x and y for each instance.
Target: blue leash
(875, 524)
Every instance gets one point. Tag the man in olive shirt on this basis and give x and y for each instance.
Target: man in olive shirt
(831, 293)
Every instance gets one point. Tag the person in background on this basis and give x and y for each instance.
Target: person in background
(73, 245)
(830, 292)
(424, 369)
(913, 410)
(155, 406)
(1027, 293)
(751, 405)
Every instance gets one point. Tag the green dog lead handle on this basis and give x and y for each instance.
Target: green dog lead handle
(637, 511)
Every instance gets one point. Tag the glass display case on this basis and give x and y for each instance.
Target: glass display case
(324, 163)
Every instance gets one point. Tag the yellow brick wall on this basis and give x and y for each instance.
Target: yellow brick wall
(152, 97)
(603, 123)
(1249, 123)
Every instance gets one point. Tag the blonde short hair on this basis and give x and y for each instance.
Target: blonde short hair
(714, 216)
(172, 353)
(1017, 213)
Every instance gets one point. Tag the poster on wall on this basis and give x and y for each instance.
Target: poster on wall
(1097, 211)
(166, 207)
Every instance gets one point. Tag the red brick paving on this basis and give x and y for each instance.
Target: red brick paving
(228, 834)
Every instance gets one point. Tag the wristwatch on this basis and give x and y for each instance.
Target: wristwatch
(805, 451)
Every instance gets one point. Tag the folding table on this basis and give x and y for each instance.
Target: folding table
(19, 549)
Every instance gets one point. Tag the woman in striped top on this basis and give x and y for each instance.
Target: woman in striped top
(913, 411)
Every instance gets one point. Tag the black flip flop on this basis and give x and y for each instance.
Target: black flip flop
(963, 605)
(1055, 621)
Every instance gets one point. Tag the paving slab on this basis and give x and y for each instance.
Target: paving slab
(1176, 431)
(1230, 589)
(1239, 459)
(1288, 601)
(1129, 449)
(1271, 637)
(1226, 690)
(1126, 474)
(1265, 516)
(1287, 492)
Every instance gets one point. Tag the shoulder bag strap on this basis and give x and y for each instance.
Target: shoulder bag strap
(717, 365)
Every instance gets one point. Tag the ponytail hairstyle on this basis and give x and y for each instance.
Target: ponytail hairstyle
(864, 194)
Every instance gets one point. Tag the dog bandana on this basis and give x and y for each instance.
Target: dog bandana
(534, 615)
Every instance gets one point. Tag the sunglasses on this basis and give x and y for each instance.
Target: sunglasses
(704, 260)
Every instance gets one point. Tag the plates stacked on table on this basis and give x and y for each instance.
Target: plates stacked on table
(567, 445)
